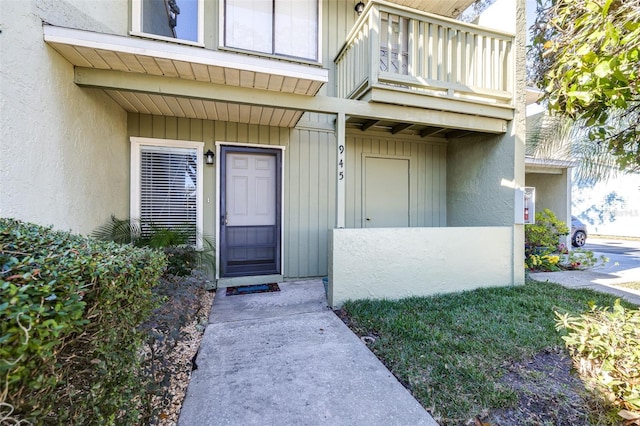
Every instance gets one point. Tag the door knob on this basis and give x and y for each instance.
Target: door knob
(368, 218)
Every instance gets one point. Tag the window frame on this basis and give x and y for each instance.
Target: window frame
(222, 42)
(136, 26)
(135, 182)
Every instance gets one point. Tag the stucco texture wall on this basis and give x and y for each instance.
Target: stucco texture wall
(400, 262)
(476, 171)
(65, 156)
(483, 172)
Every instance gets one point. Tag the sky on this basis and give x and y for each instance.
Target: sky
(187, 28)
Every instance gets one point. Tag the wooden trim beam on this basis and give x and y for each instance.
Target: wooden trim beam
(458, 134)
(400, 127)
(431, 131)
(369, 124)
(132, 82)
(394, 95)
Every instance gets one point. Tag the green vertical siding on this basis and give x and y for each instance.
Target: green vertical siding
(309, 180)
(427, 185)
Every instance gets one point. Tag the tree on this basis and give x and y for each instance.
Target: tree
(556, 137)
(586, 57)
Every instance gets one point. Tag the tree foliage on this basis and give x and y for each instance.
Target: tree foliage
(585, 56)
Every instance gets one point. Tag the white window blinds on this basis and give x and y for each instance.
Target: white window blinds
(166, 185)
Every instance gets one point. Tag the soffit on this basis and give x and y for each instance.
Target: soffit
(157, 58)
(450, 8)
(175, 106)
(404, 128)
(130, 54)
(547, 165)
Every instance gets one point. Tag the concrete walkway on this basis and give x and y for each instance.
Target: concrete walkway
(284, 358)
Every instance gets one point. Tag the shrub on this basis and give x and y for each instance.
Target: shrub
(545, 232)
(176, 242)
(69, 309)
(605, 347)
(579, 259)
(544, 262)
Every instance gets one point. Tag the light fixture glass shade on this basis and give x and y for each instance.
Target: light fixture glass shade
(208, 157)
(359, 8)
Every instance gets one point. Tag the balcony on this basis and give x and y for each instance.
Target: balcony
(402, 56)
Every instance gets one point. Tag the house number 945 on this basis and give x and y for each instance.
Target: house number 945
(340, 162)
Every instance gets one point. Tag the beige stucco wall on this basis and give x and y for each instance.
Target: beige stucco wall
(483, 172)
(65, 156)
(399, 262)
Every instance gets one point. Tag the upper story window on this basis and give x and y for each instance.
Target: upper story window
(276, 27)
(176, 20)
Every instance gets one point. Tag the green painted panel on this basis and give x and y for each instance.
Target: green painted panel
(309, 180)
(427, 176)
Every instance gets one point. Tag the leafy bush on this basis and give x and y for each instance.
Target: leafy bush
(579, 259)
(605, 346)
(544, 262)
(69, 309)
(176, 242)
(545, 232)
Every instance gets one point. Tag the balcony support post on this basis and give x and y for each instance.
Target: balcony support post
(341, 151)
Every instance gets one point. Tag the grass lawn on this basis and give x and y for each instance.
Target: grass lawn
(450, 350)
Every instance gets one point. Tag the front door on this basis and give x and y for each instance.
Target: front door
(250, 221)
(386, 192)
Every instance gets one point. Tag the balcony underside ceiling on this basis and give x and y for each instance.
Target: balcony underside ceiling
(167, 96)
(403, 128)
(174, 106)
(162, 96)
(450, 8)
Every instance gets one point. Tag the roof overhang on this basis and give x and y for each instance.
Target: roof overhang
(533, 95)
(134, 55)
(128, 87)
(161, 78)
(546, 165)
(450, 8)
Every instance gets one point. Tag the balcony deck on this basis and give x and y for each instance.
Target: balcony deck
(402, 56)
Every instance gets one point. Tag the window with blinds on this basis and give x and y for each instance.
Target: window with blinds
(166, 187)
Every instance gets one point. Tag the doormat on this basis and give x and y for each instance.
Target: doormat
(251, 289)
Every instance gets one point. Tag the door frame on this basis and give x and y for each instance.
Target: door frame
(280, 160)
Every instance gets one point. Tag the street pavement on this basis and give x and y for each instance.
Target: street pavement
(623, 267)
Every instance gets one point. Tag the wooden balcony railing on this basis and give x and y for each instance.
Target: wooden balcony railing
(399, 48)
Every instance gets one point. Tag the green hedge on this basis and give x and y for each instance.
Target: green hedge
(70, 307)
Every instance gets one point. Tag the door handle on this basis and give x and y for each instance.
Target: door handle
(368, 218)
(223, 219)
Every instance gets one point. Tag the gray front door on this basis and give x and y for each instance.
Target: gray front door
(250, 211)
(386, 192)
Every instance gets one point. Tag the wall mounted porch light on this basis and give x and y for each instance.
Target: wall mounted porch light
(208, 157)
(359, 8)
